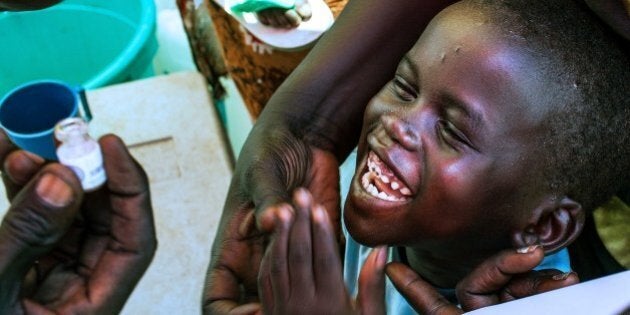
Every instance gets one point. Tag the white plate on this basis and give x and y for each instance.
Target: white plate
(288, 39)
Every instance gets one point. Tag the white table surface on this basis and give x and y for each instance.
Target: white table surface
(608, 295)
(174, 131)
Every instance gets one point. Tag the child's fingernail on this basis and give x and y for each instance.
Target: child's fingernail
(527, 250)
(562, 276)
(381, 256)
(319, 215)
(285, 214)
(54, 191)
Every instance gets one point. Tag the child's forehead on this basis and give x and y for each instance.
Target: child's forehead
(460, 24)
(463, 55)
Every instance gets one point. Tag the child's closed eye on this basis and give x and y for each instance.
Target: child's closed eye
(403, 89)
(452, 135)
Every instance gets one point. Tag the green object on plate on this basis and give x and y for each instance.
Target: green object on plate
(259, 5)
(91, 43)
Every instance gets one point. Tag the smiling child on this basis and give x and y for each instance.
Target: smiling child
(500, 129)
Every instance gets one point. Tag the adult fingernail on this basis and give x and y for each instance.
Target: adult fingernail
(304, 11)
(248, 224)
(527, 250)
(34, 158)
(54, 191)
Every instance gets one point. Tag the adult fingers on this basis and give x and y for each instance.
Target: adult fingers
(38, 217)
(419, 293)
(235, 255)
(293, 18)
(237, 251)
(17, 168)
(6, 146)
(132, 240)
(303, 8)
(263, 17)
(371, 295)
(480, 287)
(535, 282)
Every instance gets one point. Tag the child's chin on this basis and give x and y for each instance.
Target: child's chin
(365, 233)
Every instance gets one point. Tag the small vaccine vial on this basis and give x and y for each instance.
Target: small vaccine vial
(80, 152)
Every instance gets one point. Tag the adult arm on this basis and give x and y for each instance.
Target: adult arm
(615, 13)
(26, 5)
(309, 126)
(323, 100)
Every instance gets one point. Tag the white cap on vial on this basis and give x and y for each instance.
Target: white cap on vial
(71, 129)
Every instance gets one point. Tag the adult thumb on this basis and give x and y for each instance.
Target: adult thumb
(38, 217)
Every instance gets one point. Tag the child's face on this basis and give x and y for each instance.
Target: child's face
(454, 138)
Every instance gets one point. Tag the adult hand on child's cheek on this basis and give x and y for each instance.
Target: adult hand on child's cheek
(509, 276)
(301, 272)
(61, 255)
(504, 277)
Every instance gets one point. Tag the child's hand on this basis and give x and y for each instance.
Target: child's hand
(501, 278)
(301, 272)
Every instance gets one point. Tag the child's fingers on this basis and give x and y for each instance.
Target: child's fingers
(326, 263)
(371, 296)
(419, 293)
(300, 246)
(277, 257)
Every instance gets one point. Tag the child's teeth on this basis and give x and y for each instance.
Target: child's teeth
(372, 190)
(395, 185)
(385, 179)
(365, 180)
(375, 173)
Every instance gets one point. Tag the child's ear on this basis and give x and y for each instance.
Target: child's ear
(555, 225)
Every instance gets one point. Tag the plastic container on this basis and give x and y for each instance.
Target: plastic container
(92, 43)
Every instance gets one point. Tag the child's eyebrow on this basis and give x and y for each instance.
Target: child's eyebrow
(411, 65)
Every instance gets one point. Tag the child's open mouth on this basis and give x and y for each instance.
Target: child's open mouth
(381, 182)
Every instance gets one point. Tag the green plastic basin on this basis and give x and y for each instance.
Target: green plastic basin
(92, 43)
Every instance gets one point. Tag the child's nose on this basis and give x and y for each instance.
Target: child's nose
(402, 132)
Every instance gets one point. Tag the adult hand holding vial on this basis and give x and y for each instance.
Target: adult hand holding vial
(80, 152)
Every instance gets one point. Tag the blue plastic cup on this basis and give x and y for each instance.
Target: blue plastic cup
(29, 113)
